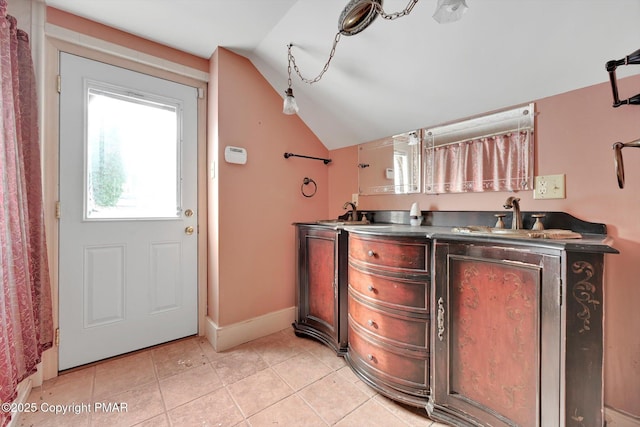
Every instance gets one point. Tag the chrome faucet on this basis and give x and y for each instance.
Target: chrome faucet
(354, 210)
(514, 202)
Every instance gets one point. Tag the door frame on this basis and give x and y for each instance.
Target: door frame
(50, 155)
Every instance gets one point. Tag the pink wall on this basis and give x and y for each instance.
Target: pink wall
(257, 202)
(574, 135)
(251, 207)
(343, 179)
(103, 32)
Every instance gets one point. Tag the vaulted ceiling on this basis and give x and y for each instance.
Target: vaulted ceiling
(396, 75)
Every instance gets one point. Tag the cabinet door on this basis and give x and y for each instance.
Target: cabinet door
(319, 288)
(497, 335)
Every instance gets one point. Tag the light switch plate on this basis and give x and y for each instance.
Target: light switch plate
(549, 187)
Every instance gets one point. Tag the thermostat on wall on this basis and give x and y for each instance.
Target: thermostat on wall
(235, 155)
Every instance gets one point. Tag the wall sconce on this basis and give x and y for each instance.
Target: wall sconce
(633, 58)
(355, 17)
(617, 148)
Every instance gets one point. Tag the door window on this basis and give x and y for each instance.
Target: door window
(132, 155)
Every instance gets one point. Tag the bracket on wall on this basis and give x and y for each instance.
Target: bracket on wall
(617, 148)
(326, 161)
(633, 58)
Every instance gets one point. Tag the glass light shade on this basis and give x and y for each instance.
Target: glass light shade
(449, 10)
(290, 106)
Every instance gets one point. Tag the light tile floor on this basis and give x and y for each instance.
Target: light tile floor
(278, 380)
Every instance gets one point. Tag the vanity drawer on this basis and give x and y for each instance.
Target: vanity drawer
(389, 291)
(383, 361)
(398, 254)
(398, 330)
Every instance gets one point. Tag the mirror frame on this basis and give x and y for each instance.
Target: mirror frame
(413, 164)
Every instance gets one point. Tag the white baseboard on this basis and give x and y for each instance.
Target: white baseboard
(24, 389)
(226, 337)
(619, 419)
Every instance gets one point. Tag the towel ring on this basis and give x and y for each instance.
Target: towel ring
(307, 181)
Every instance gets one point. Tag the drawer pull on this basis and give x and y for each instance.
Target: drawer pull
(372, 324)
(371, 253)
(370, 288)
(371, 358)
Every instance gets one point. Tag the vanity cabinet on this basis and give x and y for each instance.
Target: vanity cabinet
(321, 285)
(388, 314)
(517, 338)
(479, 329)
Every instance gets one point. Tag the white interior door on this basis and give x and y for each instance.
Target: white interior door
(128, 192)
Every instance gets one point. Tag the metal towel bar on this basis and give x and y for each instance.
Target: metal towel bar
(287, 155)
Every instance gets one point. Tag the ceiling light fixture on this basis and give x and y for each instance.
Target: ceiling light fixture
(355, 17)
(449, 10)
(290, 106)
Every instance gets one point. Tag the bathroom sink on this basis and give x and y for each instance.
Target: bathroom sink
(523, 233)
(512, 232)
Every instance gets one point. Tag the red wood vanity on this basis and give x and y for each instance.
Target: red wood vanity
(478, 330)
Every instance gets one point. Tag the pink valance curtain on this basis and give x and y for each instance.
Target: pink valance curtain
(26, 326)
(496, 163)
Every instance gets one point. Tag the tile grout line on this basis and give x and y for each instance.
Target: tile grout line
(294, 391)
(314, 409)
(164, 403)
(93, 391)
(297, 392)
(280, 346)
(244, 417)
(209, 362)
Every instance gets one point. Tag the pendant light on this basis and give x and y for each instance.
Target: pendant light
(290, 106)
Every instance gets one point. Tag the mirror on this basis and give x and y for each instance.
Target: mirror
(390, 165)
(493, 152)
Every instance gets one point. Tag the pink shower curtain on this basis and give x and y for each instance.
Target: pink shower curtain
(26, 325)
(496, 163)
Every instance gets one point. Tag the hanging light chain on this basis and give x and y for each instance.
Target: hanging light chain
(292, 60)
(389, 16)
(395, 15)
(289, 58)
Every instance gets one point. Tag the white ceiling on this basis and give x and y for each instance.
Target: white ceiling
(396, 75)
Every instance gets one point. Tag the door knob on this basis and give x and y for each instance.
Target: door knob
(188, 213)
(188, 230)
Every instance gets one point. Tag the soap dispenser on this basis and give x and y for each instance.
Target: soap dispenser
(415, 217)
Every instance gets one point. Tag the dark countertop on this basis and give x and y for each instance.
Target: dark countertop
(590, 242)
(440, 225)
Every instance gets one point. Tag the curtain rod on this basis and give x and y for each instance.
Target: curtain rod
(503, 132)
